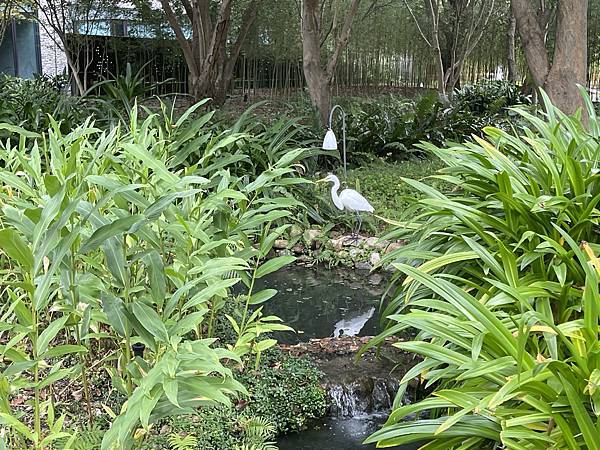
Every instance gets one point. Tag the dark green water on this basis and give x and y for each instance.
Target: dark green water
(319, 303)
(333, 433)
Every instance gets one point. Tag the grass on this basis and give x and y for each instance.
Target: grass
(381, 183)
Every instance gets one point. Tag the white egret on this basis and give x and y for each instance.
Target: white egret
(347, 199)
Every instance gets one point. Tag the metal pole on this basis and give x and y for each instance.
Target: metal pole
(343, 132)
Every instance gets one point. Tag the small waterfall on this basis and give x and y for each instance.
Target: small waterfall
(363, 397)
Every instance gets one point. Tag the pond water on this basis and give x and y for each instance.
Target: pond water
(320, 303)
(333, 433)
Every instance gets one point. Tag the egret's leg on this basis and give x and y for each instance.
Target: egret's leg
(359, 223)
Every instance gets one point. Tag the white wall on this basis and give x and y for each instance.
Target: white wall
(54, 60)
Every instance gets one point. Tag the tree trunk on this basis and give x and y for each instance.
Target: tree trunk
(210, 62)
(320, 93)
(316, 79)
(512, 63)
(319, 77)
(569, 64)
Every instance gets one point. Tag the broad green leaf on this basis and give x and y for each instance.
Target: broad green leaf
(108, 231)
(50, 333)
(150, 320)
(15, 247)
(116, 313)
(262, 296)
(274, 265)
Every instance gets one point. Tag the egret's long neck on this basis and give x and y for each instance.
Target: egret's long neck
(334, 195)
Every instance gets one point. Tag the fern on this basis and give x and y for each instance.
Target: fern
(186, 442)
(257, 430)
(82, 440)
(263, 446)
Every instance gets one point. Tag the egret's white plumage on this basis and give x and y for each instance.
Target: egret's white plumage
(347, 199)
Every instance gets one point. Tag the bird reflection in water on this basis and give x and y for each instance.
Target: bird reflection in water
(352, 326)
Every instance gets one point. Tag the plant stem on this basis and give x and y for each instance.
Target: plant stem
(247, 305)
(36, 379)
(82, 360)
(127, 352)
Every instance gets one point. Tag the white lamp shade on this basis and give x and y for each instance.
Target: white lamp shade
(330, 141)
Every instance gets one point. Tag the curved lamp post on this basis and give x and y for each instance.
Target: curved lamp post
(330, 141)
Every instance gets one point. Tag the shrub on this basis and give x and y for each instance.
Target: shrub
(107, 242)
(501, 282)
(394, 127)
(489, 97)
(30, 103)
(284, 394)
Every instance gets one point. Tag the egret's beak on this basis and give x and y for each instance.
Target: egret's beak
(322, 180)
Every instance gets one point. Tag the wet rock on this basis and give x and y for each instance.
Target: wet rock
(337, 244)
(363, 265)
(295, 231)
(365, 395)
(375, 258)
(303, 259)
(356, 388)
(382, 245)
(280, 244)
(298, 249)
(312, 238)
(375, 279)
(284, 252)
(389, 268)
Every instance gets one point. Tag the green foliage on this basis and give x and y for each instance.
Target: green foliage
(489, 97)
(382, 183)
(185, 442)
(121, 93)
(30, 103)
(275, 405)
(501, 282)
(394, 127)
(275, 395)
(107, 242)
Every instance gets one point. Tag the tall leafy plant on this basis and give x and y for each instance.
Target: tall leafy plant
(501, 282)
(104, 241)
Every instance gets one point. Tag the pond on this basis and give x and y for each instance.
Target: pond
(319, 303)
(333, 433)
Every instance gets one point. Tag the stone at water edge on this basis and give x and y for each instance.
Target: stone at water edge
(355, 252)
(375, 258)
(298, 249)
(389, 268)
(372, 242)
(312, 238)
(284, 252)
(337, 244)
(280, 244)
(363, 265)
(375, 279)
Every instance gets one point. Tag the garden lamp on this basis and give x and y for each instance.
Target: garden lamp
(330, 141)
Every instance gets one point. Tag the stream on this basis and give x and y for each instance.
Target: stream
(320, 303)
